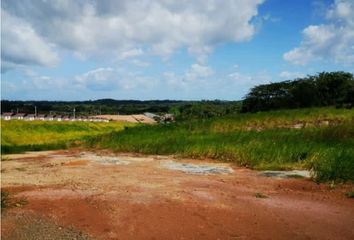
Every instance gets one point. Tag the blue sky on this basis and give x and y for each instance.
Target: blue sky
(189, 50)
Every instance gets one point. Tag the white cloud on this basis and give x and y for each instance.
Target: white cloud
(196, 77)
(126, 27)
(140, 63)
(110, 79)
(286, 75)
(328, 42)
(21, 45)
(198, 71)
(101, 79)
(135, 52)
(245, 80)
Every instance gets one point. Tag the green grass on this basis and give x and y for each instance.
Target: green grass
(4, 199)
(350, 194)
(264, 141)
(326, 150)
(20, 136)
(260, 195)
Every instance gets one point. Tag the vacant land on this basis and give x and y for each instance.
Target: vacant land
(77, 194)
(180, 191)
(137, 118)
(19, 136)
(319, 139)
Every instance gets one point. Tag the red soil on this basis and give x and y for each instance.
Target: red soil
(141, 200)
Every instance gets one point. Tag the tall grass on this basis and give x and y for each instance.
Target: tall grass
(326, 150)
(19, 136)
(264, 140)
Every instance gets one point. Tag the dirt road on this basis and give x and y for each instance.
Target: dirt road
(85, 195)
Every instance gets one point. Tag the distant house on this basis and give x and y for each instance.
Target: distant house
(7, 115)
(19, 116)
(58, 118)
(41, 117)
(152, 116)
(168, 118)
(30, 117)
(49, 117)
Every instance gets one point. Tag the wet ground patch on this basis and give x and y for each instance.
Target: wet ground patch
(286, 174)
(109, 160)
(197, 168)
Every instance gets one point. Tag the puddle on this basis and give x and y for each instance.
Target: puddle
(109, 160)
(286, 174)
(197, 168)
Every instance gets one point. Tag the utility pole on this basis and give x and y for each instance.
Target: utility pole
(74, 113)
(35, 111)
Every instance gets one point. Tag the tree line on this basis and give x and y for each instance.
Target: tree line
(323, 89)
(180, 109)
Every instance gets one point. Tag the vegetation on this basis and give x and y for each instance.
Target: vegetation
(350, 194)
(205, 109)
(324, 89)
(7, 201)
(319, 139)
(260, 141)
(182, 109)
(19, 136)
(260, 195)
(4, 199)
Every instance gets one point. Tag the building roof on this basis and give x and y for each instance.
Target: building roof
(151, 115)
(20, 114)
(8, 114)
(31, 115)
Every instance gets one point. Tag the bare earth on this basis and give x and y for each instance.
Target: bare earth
(85, 195)
(137, 118)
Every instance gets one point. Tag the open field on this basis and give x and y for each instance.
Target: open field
(19, 136)
(319, 139)
(134, 118)
(77, 194)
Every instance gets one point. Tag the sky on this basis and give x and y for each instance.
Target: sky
(168, 49)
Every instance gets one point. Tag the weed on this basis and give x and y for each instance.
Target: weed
(350, 194)
(260, 195)
(4, 199)
(8, 202)
(297, 176)
(21, 169)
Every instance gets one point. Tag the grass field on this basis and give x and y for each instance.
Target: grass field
(19, 136)
(319, 139)
(265, 140)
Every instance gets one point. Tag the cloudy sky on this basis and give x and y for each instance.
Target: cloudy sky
(167, 49)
